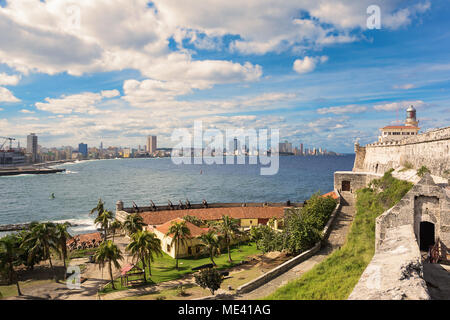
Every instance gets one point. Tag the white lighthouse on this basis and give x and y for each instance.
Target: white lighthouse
(396, 133)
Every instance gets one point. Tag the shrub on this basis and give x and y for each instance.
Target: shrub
(209, 278)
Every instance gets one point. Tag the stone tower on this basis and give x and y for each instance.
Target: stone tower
(411, 117)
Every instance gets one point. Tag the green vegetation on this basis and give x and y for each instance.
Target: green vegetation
(179, 233)
(144, 246)
(163, 268)
(108, 253)
(211, 243)
(209, 278)
(302, 227)
(133, 223)
(336, 276)
(422, 170)
(407, 166)
(228, 228)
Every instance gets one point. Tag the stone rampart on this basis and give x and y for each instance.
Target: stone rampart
(431, 149)
(395, 271)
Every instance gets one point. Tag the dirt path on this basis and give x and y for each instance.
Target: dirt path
(88, 291)
(337, 237)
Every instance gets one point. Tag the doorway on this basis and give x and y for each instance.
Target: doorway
(426, 235)
(345, 185)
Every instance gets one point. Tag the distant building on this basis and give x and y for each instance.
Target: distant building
(83, 149)
(151, 144)
(395, 133)
(32, 146)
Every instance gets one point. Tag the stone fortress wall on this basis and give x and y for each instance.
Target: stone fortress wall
(396, 270)
(431, 149)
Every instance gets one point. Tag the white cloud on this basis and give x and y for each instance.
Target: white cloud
(7, 96)
(393, 106)
(9, 80)
(352, 108)
(26, 111)
(406, 86)
(308, 64)
(130, 34)
(77, 103)
(110, 93)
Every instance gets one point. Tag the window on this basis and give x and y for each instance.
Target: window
(168, 248)
(189, 250)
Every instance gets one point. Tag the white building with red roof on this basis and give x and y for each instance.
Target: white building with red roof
(399, 132)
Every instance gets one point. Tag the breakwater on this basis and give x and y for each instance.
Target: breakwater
(15, 172)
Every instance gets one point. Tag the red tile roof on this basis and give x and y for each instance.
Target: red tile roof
(86, 237)
(160, 217)
(331, 194)
(195, 231)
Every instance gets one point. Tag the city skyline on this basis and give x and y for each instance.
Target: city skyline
(315, 71)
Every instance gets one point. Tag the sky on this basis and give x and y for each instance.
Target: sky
(118, 70)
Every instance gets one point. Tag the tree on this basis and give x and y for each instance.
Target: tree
(143, 246)
(108, 253)
(228, 228)
(99, 208)
(209, 278)
(104, 219)
(211, 243)
(179, 233)
(42, 239)
(133, 223)
(10, 252)
(62, 235)
(299, 234)
(115, 225)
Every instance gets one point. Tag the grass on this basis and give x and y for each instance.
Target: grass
(163, 268)
(335, 277)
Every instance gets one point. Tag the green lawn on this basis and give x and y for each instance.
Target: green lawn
(163, 268)
(335, 277)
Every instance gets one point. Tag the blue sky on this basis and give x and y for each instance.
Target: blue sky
(116, 71)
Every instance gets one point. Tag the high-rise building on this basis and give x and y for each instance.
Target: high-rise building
(32, 146)
(83, 149)
(151, 144)
(301, 148)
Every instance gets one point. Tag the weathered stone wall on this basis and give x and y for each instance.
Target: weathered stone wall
(431, 149)
(395, 271)
(426, 201)
(357, 180)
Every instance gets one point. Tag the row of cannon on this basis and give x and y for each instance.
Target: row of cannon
(179, 206)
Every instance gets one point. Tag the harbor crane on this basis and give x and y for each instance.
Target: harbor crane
(4, 142)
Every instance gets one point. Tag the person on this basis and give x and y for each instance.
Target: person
(52, 196)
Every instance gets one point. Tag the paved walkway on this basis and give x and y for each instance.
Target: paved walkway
(337, 238)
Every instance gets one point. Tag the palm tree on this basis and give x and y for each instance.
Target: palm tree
(228, 228)
(211, 242)
(115, 225)
(143, 247)
(133, 223)
(104, 219)
(109, 253)
(62, 235)
(42, 238)
(99, 208)
(179, 233)
(10, 252)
